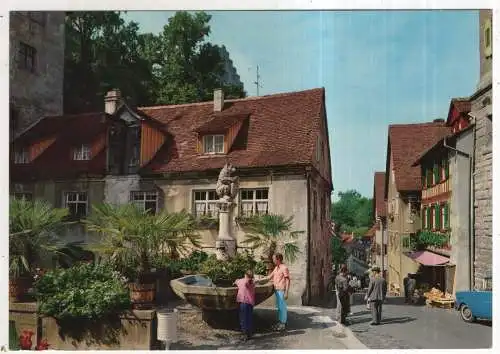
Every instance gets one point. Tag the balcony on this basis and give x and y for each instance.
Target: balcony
(436, 190)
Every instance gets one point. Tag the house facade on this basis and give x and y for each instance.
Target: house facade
(379, 245)
(446, 198)
(168, 158)
(403, 186)
(36, 66)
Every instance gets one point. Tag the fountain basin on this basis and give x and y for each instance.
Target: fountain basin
(199, 291)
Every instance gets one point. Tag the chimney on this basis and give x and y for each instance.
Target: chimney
(218, 100)
(112, 101)
(438, 120)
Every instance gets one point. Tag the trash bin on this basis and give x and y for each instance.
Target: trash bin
(167, 326)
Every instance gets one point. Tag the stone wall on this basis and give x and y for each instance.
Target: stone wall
(38, 93)
(134, 330)
(481, 109)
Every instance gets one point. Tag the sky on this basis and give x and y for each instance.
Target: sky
(377, 68)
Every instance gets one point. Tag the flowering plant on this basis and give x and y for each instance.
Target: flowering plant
(25, 342)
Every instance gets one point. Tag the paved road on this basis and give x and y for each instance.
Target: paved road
(309, 328)
(418, 327)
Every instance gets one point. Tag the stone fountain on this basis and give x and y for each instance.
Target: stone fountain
(198, 290)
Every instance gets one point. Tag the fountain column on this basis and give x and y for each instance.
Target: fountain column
(227, 189)
(225, 243)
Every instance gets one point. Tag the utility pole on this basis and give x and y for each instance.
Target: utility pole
(257, 81)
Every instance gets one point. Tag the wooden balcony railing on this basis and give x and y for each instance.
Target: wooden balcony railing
(438, 189)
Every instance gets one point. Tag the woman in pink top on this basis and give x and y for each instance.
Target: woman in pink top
(246, 299)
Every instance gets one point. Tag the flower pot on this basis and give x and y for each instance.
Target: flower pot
(142, 296)
(18, 287)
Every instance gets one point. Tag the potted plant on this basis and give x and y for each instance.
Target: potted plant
(33, 227)
(273, 233)
(132, 238)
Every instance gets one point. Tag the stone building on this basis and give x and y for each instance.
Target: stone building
(481, 112)
(403, 185)
(36, 66)
(169, 157)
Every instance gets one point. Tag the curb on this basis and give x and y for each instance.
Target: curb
(346, 337)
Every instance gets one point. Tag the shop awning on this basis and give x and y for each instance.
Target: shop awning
(428, 258)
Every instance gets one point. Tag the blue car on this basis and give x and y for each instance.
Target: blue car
(474, 305)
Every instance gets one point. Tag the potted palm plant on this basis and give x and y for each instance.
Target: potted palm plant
(271, 233)
(131, 239)
(33, 227)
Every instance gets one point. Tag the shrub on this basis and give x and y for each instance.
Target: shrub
(226, 272)
(85, 291)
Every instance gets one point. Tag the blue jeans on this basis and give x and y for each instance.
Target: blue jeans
(281, 305)
(246, 320)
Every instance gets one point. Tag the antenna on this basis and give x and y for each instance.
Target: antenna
(257, 82)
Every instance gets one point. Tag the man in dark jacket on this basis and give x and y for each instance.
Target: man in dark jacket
(342, 288)
(377, 291)
(405, 287)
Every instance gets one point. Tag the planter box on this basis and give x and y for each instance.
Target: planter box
(133, 330)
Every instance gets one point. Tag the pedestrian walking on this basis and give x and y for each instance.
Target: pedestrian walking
(246, 300)
(343, 290)
(412, 284)
(376, 294)
(405, 287)
(281, 281)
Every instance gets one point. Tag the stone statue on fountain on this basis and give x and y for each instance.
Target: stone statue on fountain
(227, 188)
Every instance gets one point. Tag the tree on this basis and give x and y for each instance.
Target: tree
(353, 213)
(273, 233)
(339, 254)
(105, 52)
(33, 230)
(132, 238)
(190, 67)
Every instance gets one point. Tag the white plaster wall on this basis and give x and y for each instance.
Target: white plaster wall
(287, 196)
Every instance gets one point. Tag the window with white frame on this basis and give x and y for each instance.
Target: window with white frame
(77, 204)
(213, 144)
(205, 203)
(81, 153)
(147, 201)
(21, 156)
(254, 201)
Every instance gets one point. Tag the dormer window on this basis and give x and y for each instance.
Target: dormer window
(213, 144)
(81, 153)
(21, 156)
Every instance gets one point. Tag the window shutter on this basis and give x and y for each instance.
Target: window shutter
(424, 215)
(436, 174)
(446, 220)
(199, 144)
(446, 169)
(428, 210)
(437, 214)
(424, 178)
(487, 37)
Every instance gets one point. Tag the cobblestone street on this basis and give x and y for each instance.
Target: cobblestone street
(418, 327)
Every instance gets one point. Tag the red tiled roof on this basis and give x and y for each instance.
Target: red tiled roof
(406, 142)
(57, 161)
(276, 130)
(281, 130)
(379, 193)
(461, 104)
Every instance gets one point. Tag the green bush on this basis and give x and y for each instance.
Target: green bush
(85, 291)
(226, 272)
